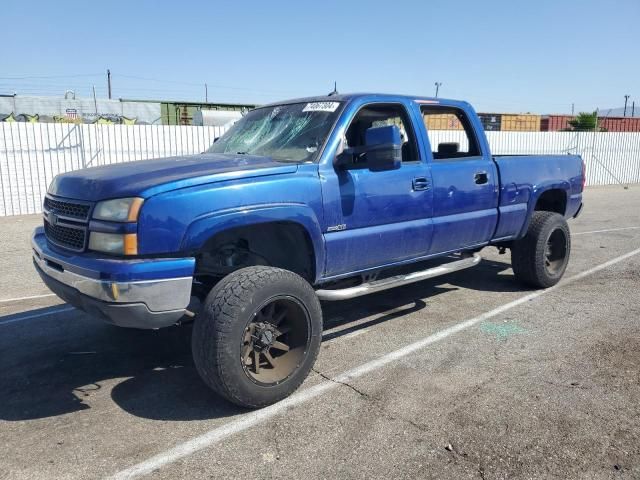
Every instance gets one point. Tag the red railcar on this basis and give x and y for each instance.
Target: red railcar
(554, 123)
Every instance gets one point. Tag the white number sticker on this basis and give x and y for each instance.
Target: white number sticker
(321, 107)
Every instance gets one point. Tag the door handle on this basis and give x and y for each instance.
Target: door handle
(420, 183)
(481, 178)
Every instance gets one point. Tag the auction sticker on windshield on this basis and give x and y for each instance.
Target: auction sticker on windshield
(321, 107)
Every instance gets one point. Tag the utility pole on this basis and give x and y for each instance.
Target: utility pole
(206, 94)
(633, 108)
(95, 102)
(438, 85)
(109, 82)
(626, 99)
(573, 108)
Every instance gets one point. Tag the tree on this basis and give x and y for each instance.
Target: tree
(584, 122)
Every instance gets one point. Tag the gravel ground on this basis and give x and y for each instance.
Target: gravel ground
(547, 388)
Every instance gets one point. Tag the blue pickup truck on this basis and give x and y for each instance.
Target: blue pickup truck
(322, 198)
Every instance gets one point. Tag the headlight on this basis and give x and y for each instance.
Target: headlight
(115, 243)
(118, 210)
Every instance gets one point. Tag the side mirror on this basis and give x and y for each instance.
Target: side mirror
(382, 150)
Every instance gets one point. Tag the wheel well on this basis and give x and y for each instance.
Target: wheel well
(285, 245)
(554, 200)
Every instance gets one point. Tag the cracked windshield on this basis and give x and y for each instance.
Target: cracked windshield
(286, 133)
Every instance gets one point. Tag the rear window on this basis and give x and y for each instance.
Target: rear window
(450, 133)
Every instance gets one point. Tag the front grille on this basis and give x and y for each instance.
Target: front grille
(72, 238)
(68, 209)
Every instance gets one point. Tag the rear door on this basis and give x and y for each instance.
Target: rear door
(465, 180)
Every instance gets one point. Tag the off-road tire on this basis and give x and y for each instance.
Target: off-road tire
(219, 328)
(528, 255)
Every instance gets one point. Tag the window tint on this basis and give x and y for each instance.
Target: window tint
(450, 133)
(380, 115)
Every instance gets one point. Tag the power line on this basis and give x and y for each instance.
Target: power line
(158, 80)
(27, 77)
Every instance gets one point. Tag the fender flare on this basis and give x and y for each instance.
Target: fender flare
(534, 196)
(203, 228)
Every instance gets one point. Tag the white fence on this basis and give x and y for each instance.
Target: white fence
(32, 154)
(611, 157)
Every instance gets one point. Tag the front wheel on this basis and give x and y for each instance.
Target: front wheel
(258, 335)
(540, 258)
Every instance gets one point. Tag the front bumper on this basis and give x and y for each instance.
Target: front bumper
(137, 293)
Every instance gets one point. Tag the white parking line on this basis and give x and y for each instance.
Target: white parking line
(605, 231)
(259, 416)
(355, 333)
(36, 315)
(17, 299)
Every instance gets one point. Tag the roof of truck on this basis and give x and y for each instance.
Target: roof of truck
(338, 97)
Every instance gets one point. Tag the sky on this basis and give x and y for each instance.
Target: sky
(538, 56)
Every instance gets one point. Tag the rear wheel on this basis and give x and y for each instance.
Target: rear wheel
(540, 258)
(258, 335)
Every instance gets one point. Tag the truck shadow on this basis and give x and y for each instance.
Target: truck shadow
(58, 372)
(411, 298)
(66, 364)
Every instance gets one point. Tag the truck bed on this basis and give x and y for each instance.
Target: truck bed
(551, 172)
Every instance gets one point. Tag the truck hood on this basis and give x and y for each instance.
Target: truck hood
(145, 178)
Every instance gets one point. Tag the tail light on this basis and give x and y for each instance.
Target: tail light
(584, 173)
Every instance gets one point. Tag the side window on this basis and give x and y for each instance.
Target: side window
(450, 133)
(379, 115)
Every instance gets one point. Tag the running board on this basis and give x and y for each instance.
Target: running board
(398, 280)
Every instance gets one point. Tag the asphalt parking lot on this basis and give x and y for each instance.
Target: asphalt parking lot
(466, 376)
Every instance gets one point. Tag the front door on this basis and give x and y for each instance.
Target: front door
(377, 218)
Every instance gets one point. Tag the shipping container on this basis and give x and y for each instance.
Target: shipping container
(181, 113)
(491, 121)
(555, 123)
(520, 123)
(443, 121)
